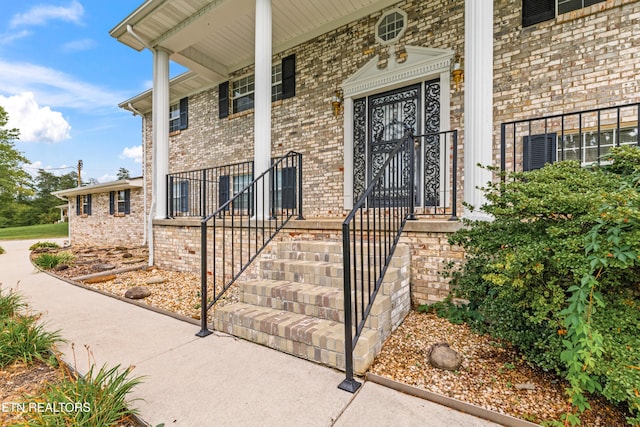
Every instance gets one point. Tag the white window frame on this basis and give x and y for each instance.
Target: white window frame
(572, 8)
(589, 144)
(174, 117)
(244, 88)
(121, 201)
(400, 33)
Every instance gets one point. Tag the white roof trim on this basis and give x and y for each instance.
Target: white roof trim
(122, 184)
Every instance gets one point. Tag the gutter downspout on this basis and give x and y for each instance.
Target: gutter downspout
(137, 37)
(135, 112)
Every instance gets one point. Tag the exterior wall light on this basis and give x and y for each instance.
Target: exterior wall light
(337, 102)
(457, 74)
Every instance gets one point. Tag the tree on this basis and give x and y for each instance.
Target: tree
(46, 183)
(123, 173)
(14, 181)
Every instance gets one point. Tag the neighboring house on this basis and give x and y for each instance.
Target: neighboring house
(341, 82)
(107, 214)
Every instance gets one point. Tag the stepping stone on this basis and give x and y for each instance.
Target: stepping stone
(137, 292)
(155, 280)
(103, 267)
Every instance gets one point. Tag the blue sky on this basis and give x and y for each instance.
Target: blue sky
(61, 78)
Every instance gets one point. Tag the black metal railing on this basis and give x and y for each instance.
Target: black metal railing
(242, 227)
(200, 192)
(437, 174)
(370, 234)
(584, 136)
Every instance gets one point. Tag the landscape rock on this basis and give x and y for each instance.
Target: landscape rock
(100, 279)
(525, 386)
(127, 255)
(441, 356)
(155, 280)
(137, 292)
(61, 267)
(103, 267)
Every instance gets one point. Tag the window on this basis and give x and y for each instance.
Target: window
(179, 115)
(244, 203)
(565, 6)
(284, 188)
(535, 11)
(244, 89)
(587, 149)
(120, 202)
(179, 195)
(83, 204)
(391, 26)
(238, 95)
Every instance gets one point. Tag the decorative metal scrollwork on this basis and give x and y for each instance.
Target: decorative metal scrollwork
(432, 144)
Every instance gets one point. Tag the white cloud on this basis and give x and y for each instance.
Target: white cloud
(53, 87)
(134, 153)
(107, 178)
(41, 14)
(8, 38)
(79, 45)
(36, 123)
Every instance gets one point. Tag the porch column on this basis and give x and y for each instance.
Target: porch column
(262, 100)
(160, 117)
(478, 101)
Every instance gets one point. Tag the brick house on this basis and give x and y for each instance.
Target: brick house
(511, 83)
(106, 214)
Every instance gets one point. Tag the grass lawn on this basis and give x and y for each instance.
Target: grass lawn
(35, 231)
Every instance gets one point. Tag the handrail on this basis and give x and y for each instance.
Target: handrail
(584, 136)
(197, 193)
(243, 226)
(370, 234)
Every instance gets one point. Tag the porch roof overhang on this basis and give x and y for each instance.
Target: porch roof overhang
(213, 38)
(122, 184)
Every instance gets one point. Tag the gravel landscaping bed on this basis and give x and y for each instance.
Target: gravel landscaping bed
(492, 375)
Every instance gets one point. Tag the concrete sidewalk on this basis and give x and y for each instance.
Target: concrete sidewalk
(213, 381)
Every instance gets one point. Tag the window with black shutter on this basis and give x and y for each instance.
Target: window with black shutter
(83, 204)
(120, 202)
(289, 76)
(223, 100)
(535, 11)
(179, 115)
(223, 190)
(538, 150)
(289, 188)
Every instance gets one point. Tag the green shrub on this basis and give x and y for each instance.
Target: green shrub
(557, 263)
(10, 304)
(101, 395)
(49, 261)
(1, 250)
(44, 245)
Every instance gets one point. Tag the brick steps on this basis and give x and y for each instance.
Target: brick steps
(297, 304)
(303, 336)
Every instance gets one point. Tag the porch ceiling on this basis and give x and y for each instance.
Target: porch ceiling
(213, 38)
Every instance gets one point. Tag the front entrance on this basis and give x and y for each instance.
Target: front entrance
(381, 120)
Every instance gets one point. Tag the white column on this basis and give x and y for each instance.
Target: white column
(262, 99)
(160, 153)
(478, 101)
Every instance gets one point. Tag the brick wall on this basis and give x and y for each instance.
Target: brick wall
(102, 229)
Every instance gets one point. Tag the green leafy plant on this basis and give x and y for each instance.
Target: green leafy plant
(11, 303)
(557, 262)
(44, 245)
(2, 250)
(49, 261)
(22, 339)
(97, 399)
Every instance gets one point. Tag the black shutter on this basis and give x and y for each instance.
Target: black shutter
(184, 195)
(535, 11)
(289, 76)
(184, 113)
(88, 212)
(223, 100)
(223, 190)
(78, 201)
(112, 202)
(127, 201)
(289, 188)
(539, 150)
